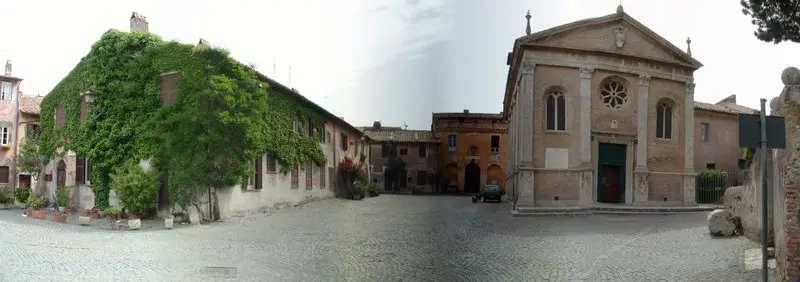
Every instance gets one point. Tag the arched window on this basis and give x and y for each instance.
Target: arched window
(664, 120)
(556, 110)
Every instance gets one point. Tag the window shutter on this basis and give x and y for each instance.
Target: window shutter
(83, 109)
(80, 170)
(259, 172)
(88, 171)
(28, 130)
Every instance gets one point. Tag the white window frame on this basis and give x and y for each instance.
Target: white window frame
(704, 134)
(451, 144)
(5, 90)
(4, 136)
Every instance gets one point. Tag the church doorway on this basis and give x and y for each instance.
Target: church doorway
(472, 178)
(611, 173)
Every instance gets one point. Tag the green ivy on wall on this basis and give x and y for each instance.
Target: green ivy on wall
(223, 117)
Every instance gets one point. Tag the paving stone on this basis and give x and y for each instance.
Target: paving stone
(388, 238)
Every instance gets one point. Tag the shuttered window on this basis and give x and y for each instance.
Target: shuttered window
(80, 170)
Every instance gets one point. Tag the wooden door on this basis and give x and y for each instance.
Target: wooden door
(24, 181)
(61, 174)
(610, 184)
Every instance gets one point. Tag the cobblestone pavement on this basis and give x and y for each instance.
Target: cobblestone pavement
(389, 238)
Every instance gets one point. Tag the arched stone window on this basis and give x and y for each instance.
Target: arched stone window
(614, 93)
(556, 105)
(664, 110)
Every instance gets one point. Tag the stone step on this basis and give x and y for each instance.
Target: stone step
(532, 211)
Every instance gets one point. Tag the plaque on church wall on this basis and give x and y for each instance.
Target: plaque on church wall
(556, 158)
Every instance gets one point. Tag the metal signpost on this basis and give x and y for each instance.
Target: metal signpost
(773, 136)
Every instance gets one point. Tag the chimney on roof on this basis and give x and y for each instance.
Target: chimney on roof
(466, 111)
(376, 125)
(8, 68)
(139, 23)
(727, 101)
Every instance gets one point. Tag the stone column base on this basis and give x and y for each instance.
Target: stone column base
(586, 192)
(641, 187)
(524, 184)
(689, 195)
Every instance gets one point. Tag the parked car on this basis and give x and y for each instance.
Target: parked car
(491, 192)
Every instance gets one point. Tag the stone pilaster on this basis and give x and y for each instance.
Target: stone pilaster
(585, 194)
(527, 113)
(689, 197)
(642, 123)
(641, 184)
(586, 117)
(525, 131)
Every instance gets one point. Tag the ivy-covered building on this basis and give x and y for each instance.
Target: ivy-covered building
(227, 139)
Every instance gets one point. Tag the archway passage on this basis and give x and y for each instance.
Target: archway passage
(61, 174)
(472, 178)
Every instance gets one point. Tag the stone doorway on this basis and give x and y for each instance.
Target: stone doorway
(472, 178)
(611, 173)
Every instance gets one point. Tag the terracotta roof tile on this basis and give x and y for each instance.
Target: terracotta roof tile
(396, 134)
(723, 109)
(29, 104)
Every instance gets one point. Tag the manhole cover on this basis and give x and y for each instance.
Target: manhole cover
(220, 271)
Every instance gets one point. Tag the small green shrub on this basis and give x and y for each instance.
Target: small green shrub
(62, 196)
(22, 194)
(136, 189)
(359, 188)
(111, 212)
(36, 202)
(373, 190)
(712, 178)
(6, 196)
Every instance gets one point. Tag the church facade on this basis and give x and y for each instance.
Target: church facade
(600, 111)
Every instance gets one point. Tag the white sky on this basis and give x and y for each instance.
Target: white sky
(389, 60)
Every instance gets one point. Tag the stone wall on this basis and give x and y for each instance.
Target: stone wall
(744, 201)
(785, 207)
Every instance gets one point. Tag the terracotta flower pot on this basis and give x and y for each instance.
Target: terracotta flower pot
(57, 217)
(27, 212)
(40, 214)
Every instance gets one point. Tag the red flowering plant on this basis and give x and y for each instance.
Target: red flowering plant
(351, 171)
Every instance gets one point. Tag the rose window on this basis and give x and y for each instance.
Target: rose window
(614, 94)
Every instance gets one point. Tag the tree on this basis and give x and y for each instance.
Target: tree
(776, 20)
(30, 160)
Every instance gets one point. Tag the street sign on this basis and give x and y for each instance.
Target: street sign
(750, 131)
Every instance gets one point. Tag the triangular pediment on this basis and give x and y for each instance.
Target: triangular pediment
(616, 33)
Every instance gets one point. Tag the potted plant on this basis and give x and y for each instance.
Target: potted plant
(358, 190)
(59, 217)
(85, 218)
(37, 203)
(21, 194)
(62, 197)
(136, 189)
(113, 215)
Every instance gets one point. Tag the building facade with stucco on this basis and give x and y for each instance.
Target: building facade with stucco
(472, 150)
(600, 110)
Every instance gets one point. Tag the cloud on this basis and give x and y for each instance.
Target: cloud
(412, 2)
(426, 14)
